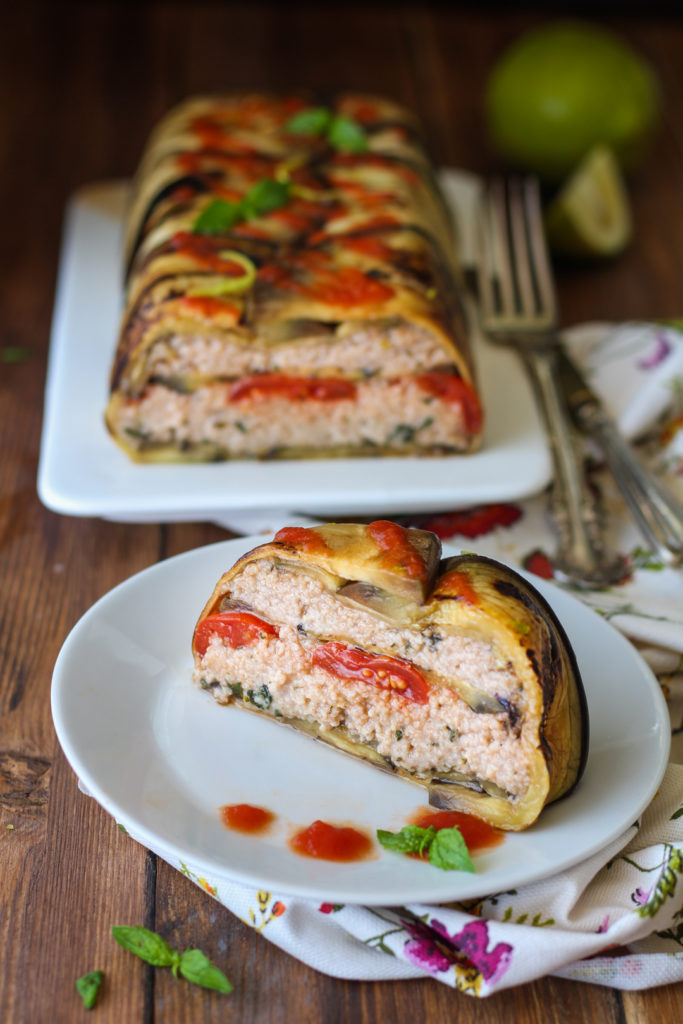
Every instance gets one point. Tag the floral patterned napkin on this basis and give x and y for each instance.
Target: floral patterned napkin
(617, 918)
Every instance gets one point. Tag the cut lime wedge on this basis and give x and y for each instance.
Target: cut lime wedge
(590, 217)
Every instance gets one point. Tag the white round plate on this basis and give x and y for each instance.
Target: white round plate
(162, 757)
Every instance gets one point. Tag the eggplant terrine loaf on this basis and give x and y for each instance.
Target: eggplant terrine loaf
(452, 673)
(291, 289)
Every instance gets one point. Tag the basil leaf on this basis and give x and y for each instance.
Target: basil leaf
(218, 217)
(146, 944)
(347, 135)
(88, 987)
(311, 121)
(264, 196)
(197, 968)
(411, 839)
(449, 852)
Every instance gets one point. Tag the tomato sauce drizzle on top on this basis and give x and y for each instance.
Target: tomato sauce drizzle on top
(399, 554)
(303, 538)
(457, 584)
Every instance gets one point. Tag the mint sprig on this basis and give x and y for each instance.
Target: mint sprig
(88, 987)
(411, 839)
(193, 965)
(445, 848)
(342, 132)
(220, 215)
(448, 851)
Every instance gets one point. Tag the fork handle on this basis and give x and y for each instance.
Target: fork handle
(582, 557)
(658, 515)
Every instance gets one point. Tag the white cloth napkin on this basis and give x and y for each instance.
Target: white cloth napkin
(617, 918)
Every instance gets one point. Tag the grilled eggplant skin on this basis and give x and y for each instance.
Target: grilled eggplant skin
(347, 552)
(475, 593)
(468, 595)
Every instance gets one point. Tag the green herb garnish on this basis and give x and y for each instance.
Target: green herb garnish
(448, 851)
(217, 218)
(220, 215)
(193, 965)
(196, 967)
(88, 987)
(347, 135)
(445, 848)
(411, 839)
(146, 944)
(311, 121)
(342, 133)
(264, 196)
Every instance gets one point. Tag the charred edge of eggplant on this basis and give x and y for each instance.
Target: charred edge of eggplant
(535, 601)
(194, 181)
(136, 321)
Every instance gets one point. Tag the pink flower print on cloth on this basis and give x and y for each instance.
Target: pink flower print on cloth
(433, 949)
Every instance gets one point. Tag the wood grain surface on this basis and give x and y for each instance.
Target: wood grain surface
(82, 84)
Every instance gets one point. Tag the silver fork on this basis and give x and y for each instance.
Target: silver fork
(518, 308)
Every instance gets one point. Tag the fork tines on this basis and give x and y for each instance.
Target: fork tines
(516, 285)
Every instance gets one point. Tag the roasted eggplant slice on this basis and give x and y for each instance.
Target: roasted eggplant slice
(453, 674)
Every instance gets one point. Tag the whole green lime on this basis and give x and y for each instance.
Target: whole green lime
(566, 87)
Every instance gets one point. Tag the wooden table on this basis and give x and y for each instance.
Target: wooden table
(82, 84)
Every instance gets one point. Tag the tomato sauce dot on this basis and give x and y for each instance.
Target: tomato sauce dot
(246, 817)
(323, 841)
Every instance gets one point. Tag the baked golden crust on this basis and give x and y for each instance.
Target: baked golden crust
(271, 270)
(487, 692)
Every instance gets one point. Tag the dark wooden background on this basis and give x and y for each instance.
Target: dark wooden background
(81, 84)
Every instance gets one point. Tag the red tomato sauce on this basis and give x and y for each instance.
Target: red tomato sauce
(212, 135)
(205, 250)
(209, 306)
(478, 835)
(458, 585)
(302, 538)
(331, 842)
(368, 247)
(249, 163)
(345, 287)
(401, 554)
(246, 817)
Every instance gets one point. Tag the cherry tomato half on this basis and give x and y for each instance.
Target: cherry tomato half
(235, 629)
(269, 385)
(375, 669)
(454, 389)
